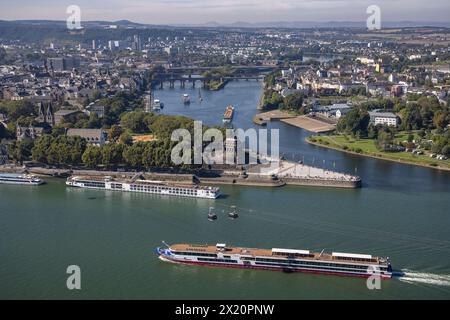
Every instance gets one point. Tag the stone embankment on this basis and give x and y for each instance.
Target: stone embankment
(284, 173)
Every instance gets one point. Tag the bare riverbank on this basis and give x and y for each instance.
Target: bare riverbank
(312, 124)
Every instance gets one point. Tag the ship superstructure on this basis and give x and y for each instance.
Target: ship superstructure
(345, 264)
(144, 186)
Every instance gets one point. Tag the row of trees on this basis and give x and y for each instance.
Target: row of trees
(426, 116)
(139, 155)
(441, 144)
(418, 113)
(61, 150)
(273, 100)
(424, 113)
(356, 122)
(58, 149)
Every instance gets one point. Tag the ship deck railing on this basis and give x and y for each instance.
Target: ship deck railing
(144, 182)
(267, 253)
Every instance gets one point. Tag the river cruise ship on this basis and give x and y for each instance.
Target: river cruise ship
(288, 260)
(144, 186)
(22, 179)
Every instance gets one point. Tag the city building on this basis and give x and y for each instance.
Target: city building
(98, 109)
(93, 136)
(63, 64)
(65, 115)
(384, 118)
(137, 45)
(29, 133)
(336, 110)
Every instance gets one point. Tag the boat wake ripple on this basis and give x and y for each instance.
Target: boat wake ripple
(410, 276)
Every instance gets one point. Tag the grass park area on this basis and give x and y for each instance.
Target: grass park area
(367, 147)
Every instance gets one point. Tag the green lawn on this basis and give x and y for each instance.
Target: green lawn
(367, 147)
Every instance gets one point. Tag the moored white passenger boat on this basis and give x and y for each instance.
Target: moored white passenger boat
(22, 179)
(144, 186)
(344, 264)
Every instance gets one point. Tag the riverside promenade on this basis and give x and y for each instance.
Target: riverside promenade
(268, 173)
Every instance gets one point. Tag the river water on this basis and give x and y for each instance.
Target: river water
(401, 212)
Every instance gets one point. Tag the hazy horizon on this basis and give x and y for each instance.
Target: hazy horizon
(228, 11)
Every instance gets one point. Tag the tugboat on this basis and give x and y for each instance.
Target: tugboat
(233, 214)
(212, 215)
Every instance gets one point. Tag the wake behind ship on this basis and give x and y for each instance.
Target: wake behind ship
(143, 186)
(344, 264)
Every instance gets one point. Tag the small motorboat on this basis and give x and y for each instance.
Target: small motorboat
(212, 215)
(186, 98)
(233, 214)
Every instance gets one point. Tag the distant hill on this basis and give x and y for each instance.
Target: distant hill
(237, 24)
(316, 24)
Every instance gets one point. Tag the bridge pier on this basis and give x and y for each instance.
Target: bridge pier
(193, 84)
(172, 84)
(182, 84)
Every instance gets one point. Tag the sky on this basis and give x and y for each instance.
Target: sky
(226, 11)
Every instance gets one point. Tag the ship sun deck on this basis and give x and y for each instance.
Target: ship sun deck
(279, 253)
(187, 185)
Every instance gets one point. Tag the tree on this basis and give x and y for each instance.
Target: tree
(163, 125)
(41, 147)
(135, 121)
(411, 118)
(20, 151)
(372, 132)
(385, 139)
(59, 149)
(126, 138)
(133, 155)
(3, 132)
(446, 150)
(293, 101)
(114, 133)
(17, 109)
(112, 154)
(441, 119)
(356, 121)
(94, 122)
(92, 156)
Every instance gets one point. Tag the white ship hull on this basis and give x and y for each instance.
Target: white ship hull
(205, 193)
(18, 179)
(25, 183)
(252, 260)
